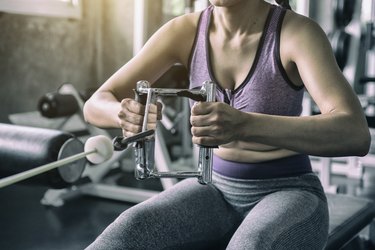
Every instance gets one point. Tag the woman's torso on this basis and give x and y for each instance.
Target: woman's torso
(253, 79)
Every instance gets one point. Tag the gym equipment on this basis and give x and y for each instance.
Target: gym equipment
(144, 149)
(105, 180)
(96, 149)
(348, 217)
(340, 42)
(343, 12)
(95, 180)
(23, 148)
(54, 105)
(121, 142)
(345, 36)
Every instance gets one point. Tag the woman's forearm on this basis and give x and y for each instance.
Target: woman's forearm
(102, 110)
(335, 134)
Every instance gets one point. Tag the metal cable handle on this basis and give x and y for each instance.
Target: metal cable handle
(145, 146)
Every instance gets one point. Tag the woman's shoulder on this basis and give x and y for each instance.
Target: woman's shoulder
(175, 38)
(301, 27)
(185, 23)
(300, 33)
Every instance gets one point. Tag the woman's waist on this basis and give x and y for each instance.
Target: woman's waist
(289, 165)
(252, 154)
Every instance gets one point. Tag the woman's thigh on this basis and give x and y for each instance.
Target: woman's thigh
(295, 219)
(185, 216)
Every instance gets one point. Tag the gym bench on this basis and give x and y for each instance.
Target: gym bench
(348, 216)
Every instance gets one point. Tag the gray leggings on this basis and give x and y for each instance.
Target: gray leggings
(283, 213)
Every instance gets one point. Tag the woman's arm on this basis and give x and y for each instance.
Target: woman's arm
(339, 130)
(170, 44)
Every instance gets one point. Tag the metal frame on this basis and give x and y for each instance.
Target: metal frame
(145, 149)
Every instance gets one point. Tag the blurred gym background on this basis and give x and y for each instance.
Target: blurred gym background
(49, 45)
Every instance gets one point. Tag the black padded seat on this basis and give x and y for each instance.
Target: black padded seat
(348, 216)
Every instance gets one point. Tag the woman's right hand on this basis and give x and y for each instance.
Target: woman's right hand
(132, 113)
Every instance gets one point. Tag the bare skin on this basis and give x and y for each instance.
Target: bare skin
(235, 30)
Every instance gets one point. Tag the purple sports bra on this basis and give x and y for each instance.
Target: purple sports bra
(266, 89)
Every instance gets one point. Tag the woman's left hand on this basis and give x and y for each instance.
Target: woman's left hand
(215, 123)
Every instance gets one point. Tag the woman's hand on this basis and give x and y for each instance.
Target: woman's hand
(132, 113)
(215, 123)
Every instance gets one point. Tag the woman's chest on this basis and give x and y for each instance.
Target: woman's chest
(232, 63)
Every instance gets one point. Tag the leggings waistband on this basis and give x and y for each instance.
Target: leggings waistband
(285, 167)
